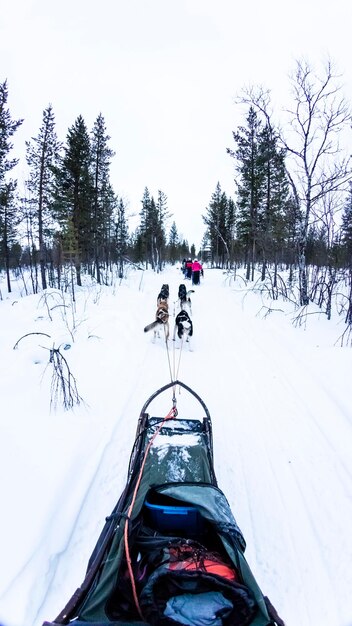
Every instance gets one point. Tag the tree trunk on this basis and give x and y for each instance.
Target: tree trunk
(303, 282)
(349, 310)
(41, 237)
(253, 259)
(78, 272)
(275, 272)
(8, 276)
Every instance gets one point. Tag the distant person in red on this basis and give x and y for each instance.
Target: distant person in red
(197, 271)
(188, 270)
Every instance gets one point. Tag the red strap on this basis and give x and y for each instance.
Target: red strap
(171, 414)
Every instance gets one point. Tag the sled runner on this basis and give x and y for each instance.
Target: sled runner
(171, 551)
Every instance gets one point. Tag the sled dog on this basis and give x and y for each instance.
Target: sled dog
(161, 319)
(183, 326)
(184, 298)
(163, 296)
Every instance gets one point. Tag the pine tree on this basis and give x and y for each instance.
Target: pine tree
(74, 192)
(8, 223)
(250, 186)
(173, 244)
(230, 227)
(101, 156)
(151, 236)
(7, 186)
(160, 236)
(272, 229)
(109, 209)
(279, 216)
(220, 219)
(42, 156)
(184, 249)
(346, 230)
(143, 236)
(121, 236)
(69, 251)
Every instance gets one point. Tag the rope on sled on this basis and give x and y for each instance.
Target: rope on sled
(173, 370)
(171, 414)
(176, 370)
(168, 356)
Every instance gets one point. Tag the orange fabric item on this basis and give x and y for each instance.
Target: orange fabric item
(207, 565)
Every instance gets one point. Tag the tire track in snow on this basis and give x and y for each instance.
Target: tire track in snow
(328, 580)
(103, 484)
(242, 334)
(342, 421)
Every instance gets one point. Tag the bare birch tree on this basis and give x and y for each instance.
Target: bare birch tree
(317, 167)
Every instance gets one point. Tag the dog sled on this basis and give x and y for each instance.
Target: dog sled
(171, 551)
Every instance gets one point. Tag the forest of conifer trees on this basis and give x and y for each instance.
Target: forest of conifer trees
(289, 220)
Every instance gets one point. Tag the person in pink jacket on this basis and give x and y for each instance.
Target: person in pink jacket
(197, 271)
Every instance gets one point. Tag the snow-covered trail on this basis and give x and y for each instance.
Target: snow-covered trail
(285, 459)
(282, 441)
(282, 449)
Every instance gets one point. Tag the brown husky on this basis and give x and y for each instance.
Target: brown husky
(161, 317)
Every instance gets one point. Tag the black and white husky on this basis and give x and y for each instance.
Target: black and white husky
(184, 298)
(183, 326)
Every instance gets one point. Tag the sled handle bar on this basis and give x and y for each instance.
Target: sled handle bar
(168, 386)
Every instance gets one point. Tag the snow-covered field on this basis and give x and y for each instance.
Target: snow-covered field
(281, 405)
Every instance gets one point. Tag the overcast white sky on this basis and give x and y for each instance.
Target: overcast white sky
(164, 74)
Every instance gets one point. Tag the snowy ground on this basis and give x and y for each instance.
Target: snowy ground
(280, 401)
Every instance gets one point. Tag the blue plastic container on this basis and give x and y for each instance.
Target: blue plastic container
(184, 520)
